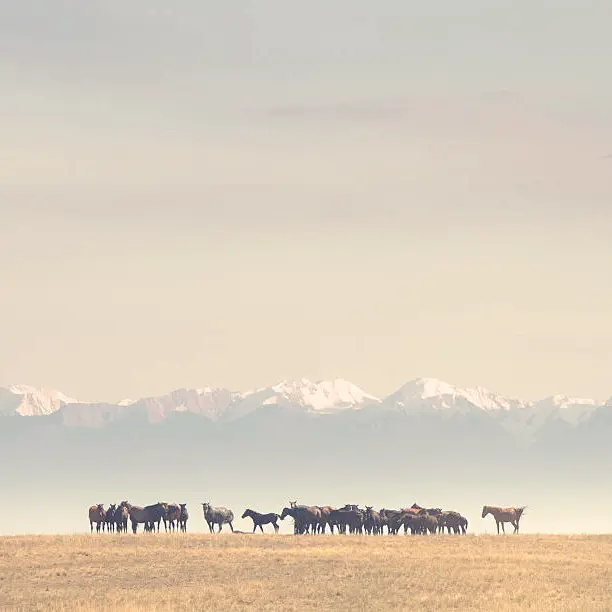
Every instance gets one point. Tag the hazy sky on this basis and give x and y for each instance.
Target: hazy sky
(197, 192)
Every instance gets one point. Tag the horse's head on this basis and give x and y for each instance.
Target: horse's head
(112, 508)
(286, 512)
(183, 506)
(416, 506)
(205, 507)
(293, 504)
(100, 507)
(246, 513)
(485, 511)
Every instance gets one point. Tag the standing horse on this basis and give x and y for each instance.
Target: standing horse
(504, 515)
(217, 516)
(262, 519)
(97, 515)
(121, 517)
(110, 518)
(183, 518)
(173, 515)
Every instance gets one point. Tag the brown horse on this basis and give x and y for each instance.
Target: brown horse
(121, 517)
(172, 518)
(504, 515)
(97, 515)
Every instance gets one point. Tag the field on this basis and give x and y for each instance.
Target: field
(233, 572)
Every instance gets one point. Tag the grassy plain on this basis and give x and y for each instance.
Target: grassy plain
(235, 572)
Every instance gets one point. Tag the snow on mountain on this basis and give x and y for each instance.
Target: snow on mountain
(26, 400)
(572, 410)
(321, 396)
(430, 393)
(416, 398)
(127, 402)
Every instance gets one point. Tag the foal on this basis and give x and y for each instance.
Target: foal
(262, 519)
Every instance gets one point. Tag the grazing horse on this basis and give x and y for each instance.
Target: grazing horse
(504, 515)
(183, 518)
(452, 520)
(262, 519)
(97, 515)
(394, 519)
(218, 516)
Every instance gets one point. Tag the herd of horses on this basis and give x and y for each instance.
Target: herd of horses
(306, 519)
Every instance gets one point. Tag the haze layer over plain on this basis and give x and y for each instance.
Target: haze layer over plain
(200, 194)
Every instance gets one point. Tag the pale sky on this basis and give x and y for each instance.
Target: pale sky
(201, 193)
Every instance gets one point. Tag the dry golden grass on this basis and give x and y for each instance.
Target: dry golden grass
(233, 572)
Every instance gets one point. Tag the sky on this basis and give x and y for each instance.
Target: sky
(230, 194)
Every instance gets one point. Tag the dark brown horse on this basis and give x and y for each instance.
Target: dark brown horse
(262, 519)
(305, 518)
(504, 515)
(149, 515)
(97, 515)
(171, 520)
(183, 518)
(121, 517)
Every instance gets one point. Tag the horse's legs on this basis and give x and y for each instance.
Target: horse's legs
(497, 523)
(232, 527)
(275, 525)
(503, 527)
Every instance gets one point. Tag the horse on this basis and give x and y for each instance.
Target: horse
(218, 516)
(97, 515)
(110, 518)
(372, 522)
(504, 515)
(183, 518)
(304, 518)
(149, 515)
(262, 519)
(452, 520)
(121, 517)
(171, 520)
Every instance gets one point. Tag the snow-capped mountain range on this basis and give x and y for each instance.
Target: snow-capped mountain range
(422, 397)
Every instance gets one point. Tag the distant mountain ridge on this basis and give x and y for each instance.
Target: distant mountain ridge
(418, 398)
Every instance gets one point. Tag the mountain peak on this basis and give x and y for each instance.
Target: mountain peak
(33, 401)
(444, 395)
(562, 401)
(321, 396)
